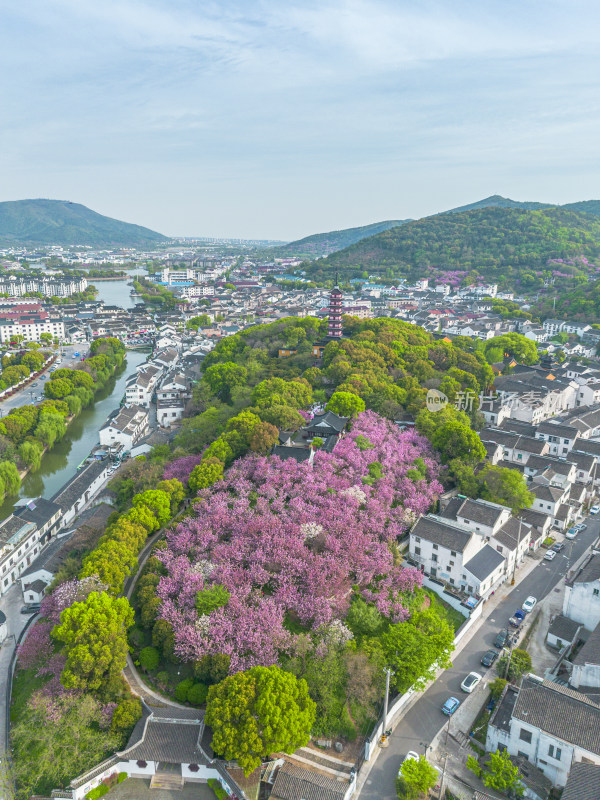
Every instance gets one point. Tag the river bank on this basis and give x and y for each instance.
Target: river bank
(60, 463)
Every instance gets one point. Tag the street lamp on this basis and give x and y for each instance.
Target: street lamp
(384, 734)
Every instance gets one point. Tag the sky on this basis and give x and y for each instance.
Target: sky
(281, 118)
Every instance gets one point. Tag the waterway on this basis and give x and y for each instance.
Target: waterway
(60, 463)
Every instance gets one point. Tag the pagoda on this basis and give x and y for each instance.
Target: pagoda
(334, 324)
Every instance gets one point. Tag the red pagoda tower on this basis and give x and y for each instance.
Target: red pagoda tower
(334, 325)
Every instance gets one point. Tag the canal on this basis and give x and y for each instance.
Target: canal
(60, 463)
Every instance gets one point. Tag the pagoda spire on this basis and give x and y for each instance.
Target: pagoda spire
(334, 324)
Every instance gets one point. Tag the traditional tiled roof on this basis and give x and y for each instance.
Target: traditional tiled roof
(295, 783)
(442, 533)
(564, 628)
(481, 512)
(484, 563)
(560, 712)
(583, 783)
(590, 652)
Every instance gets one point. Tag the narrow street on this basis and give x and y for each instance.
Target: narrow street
(425, 719)
(30, 393)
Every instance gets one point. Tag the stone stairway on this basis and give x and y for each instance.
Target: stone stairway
(167, 780)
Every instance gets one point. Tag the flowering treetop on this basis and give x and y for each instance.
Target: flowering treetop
(287, 541)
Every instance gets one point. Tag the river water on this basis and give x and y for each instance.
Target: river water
(60, 463)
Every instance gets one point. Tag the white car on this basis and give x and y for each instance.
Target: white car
(594, 509)
(550, 555)
(529, 604)
(470, 682)
(410, 754)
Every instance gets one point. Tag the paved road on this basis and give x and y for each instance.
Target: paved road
(30, 393)
(425, 719)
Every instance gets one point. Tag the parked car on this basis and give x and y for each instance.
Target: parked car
(470, 682)
(501, 638)
(30, 608)
(581, 526)
(529, 604)
(450, 706)
(550, 555)
(517, 618)
(571, 533)
(558, 547)
(410, 754)
(594, 510)
(33, 385)
(489, 657)
(40, 398)
(43, 377)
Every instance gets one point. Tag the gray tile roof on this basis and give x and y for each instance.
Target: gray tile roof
(75, 488)
(443, 533)
(556, 429)
(550, 493)
(590, 571)
(481, 512)
(173, 742)
(564, 628)
(536, 518)
(295, 783)
(512, 532)
(583, 783)
(484, 562)
(560, 712)
(590, 652)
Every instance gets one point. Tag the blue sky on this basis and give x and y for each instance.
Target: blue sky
(280, 119)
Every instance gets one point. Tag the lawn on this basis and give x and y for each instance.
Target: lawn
(454, 617)
(25, 683)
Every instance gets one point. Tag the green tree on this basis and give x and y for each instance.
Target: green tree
(416, 648)
(519, 664)
(505, 486)
(345, 404)
(9, 474)
(94, 634)
(126, 714)
(498, 773)
(209, 471)
(149, 658)
(420, 775)
(454, 440)
(211, 597)
(258, 712)
(284, 418)
(264, 437)
(222, 378)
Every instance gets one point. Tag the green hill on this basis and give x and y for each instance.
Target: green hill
(497, 201)
(64, 223)
(321, 244)
(588, 206)
(510, 246)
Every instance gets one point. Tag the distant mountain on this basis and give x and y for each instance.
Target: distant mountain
(511, 246)
(61, 222)
(322, 244)
(497, 201)
(587, 206)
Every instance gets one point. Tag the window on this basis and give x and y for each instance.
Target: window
(417, 538)
(435, 547)
(596, 592)
(452, 580)
(434, 557)
(417, 551)
(554, 752)
(451, 564)
(499, 549)
(525, 735)
(453, 553)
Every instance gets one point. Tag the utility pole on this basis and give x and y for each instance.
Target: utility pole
(443, 777)
(512, 582)
(388, 673)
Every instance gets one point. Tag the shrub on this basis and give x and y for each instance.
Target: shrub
(136, 637)
(197, 694)
(162, 678)
(99, 791)
(149, 658)
(127, 713)
(182, 689)
(122, 777)
(217, 788)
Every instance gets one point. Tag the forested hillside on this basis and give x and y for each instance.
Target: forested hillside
(321, 244)
(65, 223)
(510, 246)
